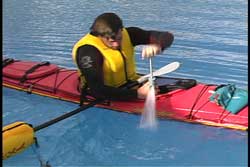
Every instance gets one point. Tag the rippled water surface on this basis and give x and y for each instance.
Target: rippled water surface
(210, 43)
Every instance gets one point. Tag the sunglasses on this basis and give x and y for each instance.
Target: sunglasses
(111, 36)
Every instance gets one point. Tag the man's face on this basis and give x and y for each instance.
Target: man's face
(113, 42)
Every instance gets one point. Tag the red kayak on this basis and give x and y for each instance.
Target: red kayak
(192, 103)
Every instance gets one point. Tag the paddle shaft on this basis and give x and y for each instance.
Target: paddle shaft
(64, 116)
(151, 72)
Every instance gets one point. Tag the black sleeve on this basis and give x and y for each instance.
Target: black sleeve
(90, 62)
(139, 36)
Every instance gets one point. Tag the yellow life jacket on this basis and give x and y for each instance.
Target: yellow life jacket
(114, 65)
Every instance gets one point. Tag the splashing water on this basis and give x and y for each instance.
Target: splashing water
(148, 119)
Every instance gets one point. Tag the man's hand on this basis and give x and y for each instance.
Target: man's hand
(142, 92)
(150, 50)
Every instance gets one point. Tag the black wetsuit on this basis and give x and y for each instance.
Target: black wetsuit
(93, 71)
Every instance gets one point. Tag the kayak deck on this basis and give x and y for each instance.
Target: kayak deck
(189, 105)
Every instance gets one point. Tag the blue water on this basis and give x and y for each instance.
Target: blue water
(210, 42)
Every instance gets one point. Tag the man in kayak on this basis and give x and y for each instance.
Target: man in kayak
(105, 57)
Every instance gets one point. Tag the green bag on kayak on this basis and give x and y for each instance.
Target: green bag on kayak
(230, 98)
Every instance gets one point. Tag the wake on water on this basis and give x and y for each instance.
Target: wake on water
(148, 119)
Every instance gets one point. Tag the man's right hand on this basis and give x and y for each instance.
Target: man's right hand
(142, 92)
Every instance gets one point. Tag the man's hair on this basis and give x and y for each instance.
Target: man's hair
(106, 24)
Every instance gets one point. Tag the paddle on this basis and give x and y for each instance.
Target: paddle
(164, 70)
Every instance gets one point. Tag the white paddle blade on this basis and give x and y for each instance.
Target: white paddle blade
(167, 69)
(164, 70)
